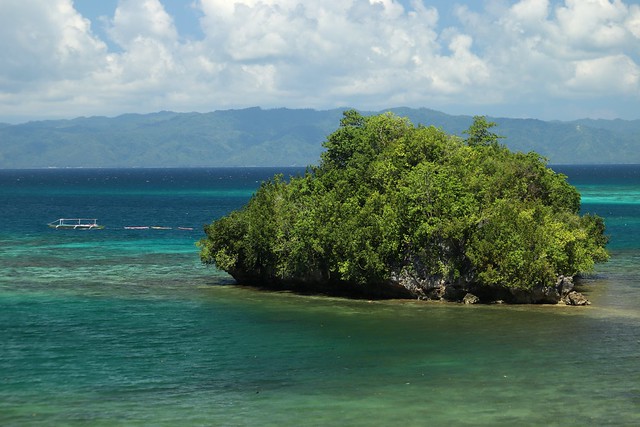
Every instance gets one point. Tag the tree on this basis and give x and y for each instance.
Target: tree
(480, 134)
(390, 199)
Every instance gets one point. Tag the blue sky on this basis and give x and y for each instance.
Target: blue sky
(546, 59)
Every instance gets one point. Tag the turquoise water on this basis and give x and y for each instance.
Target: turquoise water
(126, 327)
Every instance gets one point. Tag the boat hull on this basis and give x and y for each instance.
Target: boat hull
(75, 224)
(77, 227)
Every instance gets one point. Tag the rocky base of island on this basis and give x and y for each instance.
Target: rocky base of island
(410, 286)
(562, 292)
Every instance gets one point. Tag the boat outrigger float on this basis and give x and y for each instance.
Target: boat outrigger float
(76, 224)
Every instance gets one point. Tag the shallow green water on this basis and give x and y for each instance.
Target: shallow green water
(126, 327)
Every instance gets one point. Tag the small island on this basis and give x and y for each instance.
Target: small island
(395, 210)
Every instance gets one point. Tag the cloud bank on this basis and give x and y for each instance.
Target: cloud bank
(535, 58)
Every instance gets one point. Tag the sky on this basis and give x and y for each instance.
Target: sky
(543, 59)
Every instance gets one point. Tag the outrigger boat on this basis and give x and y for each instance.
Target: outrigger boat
(76, 224)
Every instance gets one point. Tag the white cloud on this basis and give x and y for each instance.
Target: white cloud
(336, 47)
(579, 47)
(44, 41)
(136, 20)
(612, 74)
(593, 24)
(298, 53)
(633, 21)
(531, 12)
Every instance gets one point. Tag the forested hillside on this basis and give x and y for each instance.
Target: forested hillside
(277, 137)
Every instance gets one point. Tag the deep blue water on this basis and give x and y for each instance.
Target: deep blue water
(126, 327)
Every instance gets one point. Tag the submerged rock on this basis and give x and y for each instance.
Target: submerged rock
(576, 298)
(470, 299)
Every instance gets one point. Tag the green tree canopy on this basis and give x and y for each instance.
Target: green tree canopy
(479, 133)
(389, 198)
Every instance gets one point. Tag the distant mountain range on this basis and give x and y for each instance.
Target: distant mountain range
(277, 137)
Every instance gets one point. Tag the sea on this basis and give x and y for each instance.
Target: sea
(124, 326)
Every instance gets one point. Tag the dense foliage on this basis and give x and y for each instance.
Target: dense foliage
(389, 197)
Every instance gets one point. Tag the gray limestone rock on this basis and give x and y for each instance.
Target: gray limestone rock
(470, 299)
(576, 298)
